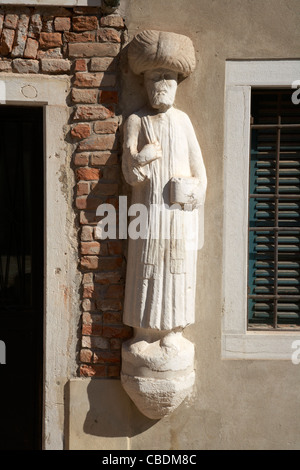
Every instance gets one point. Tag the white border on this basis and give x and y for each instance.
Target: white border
(237, 342)
(60, 264)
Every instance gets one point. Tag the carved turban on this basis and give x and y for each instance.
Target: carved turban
(159, 49)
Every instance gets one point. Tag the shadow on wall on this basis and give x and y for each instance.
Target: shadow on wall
(112, 413)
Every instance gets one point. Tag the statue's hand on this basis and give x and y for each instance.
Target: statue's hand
(148, 154)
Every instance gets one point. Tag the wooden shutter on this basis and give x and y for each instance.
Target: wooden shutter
(274, 211)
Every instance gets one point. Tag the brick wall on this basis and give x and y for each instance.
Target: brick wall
(84, 44)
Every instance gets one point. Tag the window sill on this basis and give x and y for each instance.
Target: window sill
(276, 345)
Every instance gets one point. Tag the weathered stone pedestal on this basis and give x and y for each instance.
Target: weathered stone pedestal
(157, 371)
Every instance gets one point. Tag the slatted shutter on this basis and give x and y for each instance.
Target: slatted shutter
(274, 212)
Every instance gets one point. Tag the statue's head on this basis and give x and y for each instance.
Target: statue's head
(165, 59)
(161, 86)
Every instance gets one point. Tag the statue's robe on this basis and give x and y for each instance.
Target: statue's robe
(161, 268)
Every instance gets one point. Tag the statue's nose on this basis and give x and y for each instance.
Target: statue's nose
(162, 83)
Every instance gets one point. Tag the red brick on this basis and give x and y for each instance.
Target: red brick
(47, 24)
(7, 41)
(88, 96)
(117, 331)
(87, 233)
(81, 131)
(55, 66)
(87, 80)
(90, 248)
(35, 26)
(88, 292)
(85, 23)
(113, 371)
(62, 24)
(115, 247)
(99, 159)
(31, 48)
(95, 342)
(109, 35)
(80, 37)
(89, 262)
(106, 127)
(98, 142)
(106, 357)
(102, 264)
(92, 371)
(11, 21)
(50, 40)
(107, 278)
(88, 278)
(26, 66)
(5, 65)
(86, 355)
(83, 188)
(89, 319)
(81, 159)
(112, 318)
(115, 343)
(89, 218)
(92, 330)
(88, 174)
(102, 64)
(115, 292)
(80, 65)
(91, 113)
(96, 293)
(113, 21)
(54, 53)
(20, 36)
(93, 49)
(88, 203)
(108, 97)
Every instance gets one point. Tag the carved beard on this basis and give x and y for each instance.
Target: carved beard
(161, 99)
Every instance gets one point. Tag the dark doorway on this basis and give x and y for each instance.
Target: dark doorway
(21, 276)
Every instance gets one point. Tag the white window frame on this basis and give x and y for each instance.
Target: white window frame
(241, 76)
(61, 278)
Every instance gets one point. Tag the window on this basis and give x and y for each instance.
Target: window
(274, 211)
(273, 323)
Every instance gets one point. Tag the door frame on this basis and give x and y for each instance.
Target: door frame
(61, 278)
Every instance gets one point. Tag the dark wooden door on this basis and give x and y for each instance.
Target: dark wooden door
(21, 276)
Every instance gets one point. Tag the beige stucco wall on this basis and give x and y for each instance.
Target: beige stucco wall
(237, 404)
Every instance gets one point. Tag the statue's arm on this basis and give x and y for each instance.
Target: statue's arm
(135, 164)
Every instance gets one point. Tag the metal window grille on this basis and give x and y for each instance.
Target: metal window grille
(274, 212)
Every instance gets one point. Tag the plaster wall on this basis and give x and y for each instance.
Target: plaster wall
(236, 404)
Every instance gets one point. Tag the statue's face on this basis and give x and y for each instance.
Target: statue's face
(161, 86)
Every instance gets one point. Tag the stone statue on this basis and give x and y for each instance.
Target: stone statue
(162, 161)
